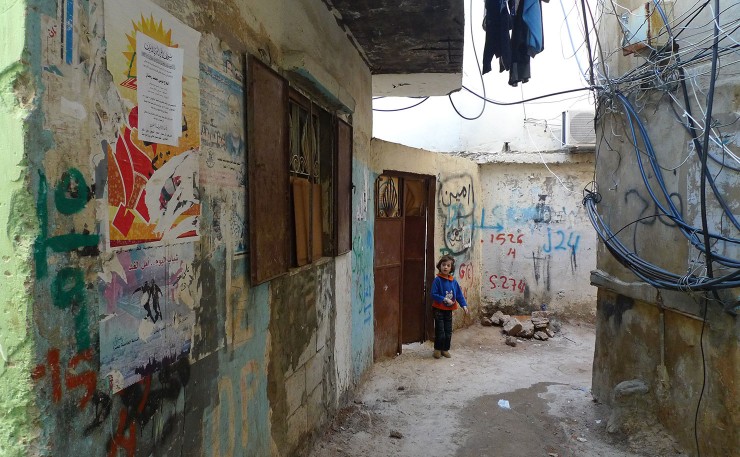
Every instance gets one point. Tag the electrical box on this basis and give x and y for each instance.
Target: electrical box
(645, 29)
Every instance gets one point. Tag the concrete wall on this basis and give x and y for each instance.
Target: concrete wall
(266, 365)
(537, 244)
(684, 348)
(16, 239)
(457, 206)
(531, 242)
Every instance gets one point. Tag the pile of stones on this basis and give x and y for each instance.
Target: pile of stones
(537, 326)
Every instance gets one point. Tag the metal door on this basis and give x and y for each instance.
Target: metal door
(413, 302)
(403, 261)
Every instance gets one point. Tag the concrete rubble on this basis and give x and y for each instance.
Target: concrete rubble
(537, 326)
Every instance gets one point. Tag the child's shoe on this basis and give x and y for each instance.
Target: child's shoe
(446, 354)
(437, 354)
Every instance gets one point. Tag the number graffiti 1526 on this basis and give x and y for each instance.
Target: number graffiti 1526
(503, 238)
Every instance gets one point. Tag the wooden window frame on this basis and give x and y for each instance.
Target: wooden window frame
(271, 213)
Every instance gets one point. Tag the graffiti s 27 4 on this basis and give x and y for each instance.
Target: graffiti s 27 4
(507, 283)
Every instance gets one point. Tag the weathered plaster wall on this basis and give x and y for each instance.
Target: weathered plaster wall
(458, 203)
(266, 365)
(636, 340)
(16, 348)
(695, 361)
(537, 244)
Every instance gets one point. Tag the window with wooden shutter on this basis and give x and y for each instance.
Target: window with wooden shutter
(344, 188)
(267, 164)
(300, 177)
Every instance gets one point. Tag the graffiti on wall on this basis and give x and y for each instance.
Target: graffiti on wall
(73, 378)
(362, 270)
(68, 287)
(456, 199)
(236, 420)
(647, 208)
(361, 213)
(152, 188)
(525, 240)
(230, 422)
(151, 404)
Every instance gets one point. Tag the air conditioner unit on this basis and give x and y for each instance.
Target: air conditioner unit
(578, 128)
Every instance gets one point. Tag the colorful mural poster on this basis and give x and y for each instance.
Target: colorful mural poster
(152, 187)
(147, 314)
(223, 150)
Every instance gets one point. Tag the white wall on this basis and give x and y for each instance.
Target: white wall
(537, 245)
(435, 126)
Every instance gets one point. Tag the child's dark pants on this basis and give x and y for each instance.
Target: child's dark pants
(442, 329)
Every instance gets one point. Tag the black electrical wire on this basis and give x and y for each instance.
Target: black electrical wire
(494, 102)
(480, 72)
(703, 149)
(689, 231)
(705, 176)
(588, 45)
(691, 131)
(648, 272)
(664, 77)
(703, 376)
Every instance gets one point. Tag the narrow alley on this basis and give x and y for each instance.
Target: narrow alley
(414, 405)
(233, 228)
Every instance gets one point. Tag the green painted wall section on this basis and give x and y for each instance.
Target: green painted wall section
(17, 224)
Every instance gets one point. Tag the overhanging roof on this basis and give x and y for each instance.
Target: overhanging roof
(410, 45)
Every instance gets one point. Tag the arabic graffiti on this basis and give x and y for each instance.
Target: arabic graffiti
(457, 203)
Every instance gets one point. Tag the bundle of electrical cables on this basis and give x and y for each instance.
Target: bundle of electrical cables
(655, 73)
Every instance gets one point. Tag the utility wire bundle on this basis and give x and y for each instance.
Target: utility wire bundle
(666, 70)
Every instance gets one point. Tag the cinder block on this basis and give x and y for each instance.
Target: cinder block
(297, 426)
(295, 388)
(309, 352)
(316, 409)
(314, 371)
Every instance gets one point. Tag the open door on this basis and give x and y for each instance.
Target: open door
(403, 261)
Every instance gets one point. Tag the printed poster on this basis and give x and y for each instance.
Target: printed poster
(153, 198)
(159, 90)
(223, 148)
(147, 312)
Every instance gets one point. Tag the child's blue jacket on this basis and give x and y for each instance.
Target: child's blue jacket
(444, 285)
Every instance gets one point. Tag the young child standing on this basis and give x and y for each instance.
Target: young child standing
(446, 297)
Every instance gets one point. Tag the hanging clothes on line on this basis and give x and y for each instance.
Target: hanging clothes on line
(514, 34)
(497, 24)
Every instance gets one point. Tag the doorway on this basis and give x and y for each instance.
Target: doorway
(404, 261)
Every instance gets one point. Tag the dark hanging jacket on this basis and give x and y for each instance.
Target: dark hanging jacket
(498, 43)
(519, 53)
(527, 39)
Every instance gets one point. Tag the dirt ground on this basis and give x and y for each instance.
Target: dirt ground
(451, 407)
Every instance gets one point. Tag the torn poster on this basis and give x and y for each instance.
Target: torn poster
(223, 152)
(147, 313)
(153, 197)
